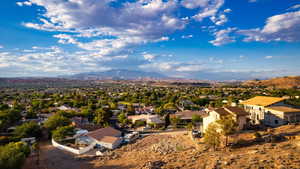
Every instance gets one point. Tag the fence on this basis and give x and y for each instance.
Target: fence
(73, 150)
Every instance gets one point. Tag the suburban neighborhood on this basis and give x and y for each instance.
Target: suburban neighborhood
(150, 84)
(98, 123)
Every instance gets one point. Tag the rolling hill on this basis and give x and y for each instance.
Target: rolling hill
(280, 82)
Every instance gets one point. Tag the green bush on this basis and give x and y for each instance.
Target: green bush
(13, 155)
(62, 132)
(29, 129)
(55, 121)
(139, 123)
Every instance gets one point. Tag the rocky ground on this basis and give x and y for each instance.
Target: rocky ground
(180, 151)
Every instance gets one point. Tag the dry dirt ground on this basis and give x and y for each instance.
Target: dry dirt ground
(180, 151)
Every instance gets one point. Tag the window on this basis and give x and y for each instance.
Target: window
(276, 121)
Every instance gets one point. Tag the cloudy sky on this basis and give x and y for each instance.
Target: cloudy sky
(202, 39)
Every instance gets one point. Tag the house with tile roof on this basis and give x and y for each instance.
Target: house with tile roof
(271, 111)
(256, 107)
(281, 115)
(238, 114)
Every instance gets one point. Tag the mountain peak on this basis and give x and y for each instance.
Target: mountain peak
(118, 74)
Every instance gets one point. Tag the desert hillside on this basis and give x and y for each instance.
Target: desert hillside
(280, 82)
(178, 151)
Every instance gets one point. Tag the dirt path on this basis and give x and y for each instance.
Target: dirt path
(53, 158)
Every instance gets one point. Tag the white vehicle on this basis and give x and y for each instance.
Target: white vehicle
(131, 137)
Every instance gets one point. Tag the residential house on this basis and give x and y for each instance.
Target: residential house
(257, 106)
(144, 110)
(187, 115)
(66, 108)
(238, 114)
(146, 117)
(107, 137)
(281, 115)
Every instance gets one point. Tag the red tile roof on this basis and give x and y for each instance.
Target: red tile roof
(222, 112)
(237, 110)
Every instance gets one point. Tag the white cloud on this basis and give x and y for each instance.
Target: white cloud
(186, 36)
(210, 9)
(148, 56)
(113, 29)
(26, 3)
(1, 47)
(283, 27)
(228, 10)
(190, 68)
(294, 7)
(219, 20)
(268, 57)
(192, 4)
(53, 61)
(223, 37)
(159, 66)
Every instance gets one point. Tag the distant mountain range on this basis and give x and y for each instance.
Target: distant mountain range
(117, 74)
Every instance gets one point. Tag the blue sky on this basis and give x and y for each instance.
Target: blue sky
(200, 39)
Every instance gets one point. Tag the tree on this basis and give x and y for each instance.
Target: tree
(130, 109)
(123, 119)
(9, 117)
(170, 106)
(139, 123)
(159, 110)
(31, 114)
(55, 121)
(102, 117)
(113, 105)
(13, 155)
(29, 129)
(175, 120)
(211, 136)
(87, 112)
(196, 118)
(201, 101)
(190, 126)
(228, 127)
(62, 132)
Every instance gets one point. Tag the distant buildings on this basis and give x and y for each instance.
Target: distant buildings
(147, 118)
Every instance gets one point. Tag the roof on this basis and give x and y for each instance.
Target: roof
(109, 139)
(237, 110)
(187, 114)
(142, 116)
(284, 109)
(263, 100)
(222, 112)
(103, 132)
